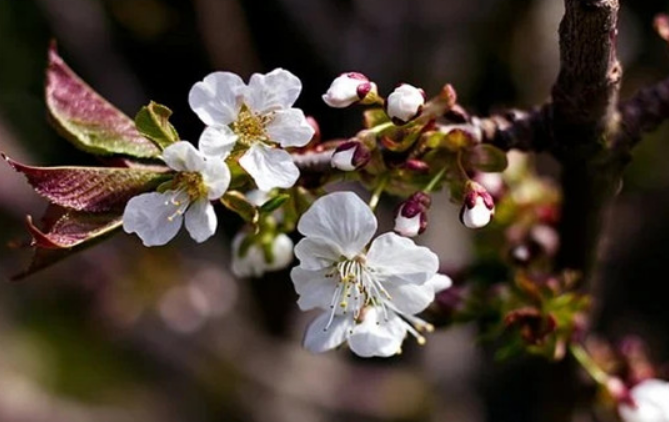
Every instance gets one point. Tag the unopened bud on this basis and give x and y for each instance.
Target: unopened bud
(411, 215)
(350, 155)
(405, 103)
(478, 207)
(348, 88)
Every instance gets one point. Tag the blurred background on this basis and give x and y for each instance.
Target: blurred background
(126, 333)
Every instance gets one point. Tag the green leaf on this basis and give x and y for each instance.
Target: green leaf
(93, 189)
(152, 121)
(64, 233)
(274, 203)
(487, 158)
(86, 119)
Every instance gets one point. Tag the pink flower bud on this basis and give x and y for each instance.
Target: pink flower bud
(348, 88)
(478, 207)
(405, 103)
(411, 215)
(350, 155)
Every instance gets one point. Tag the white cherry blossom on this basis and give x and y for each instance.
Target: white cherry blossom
(156, 217)
(254, 263)
(369, 293)
(650, 402)
(257, 120)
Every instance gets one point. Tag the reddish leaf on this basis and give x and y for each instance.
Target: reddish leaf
(73, 228)
(64, 233)
(88, 120)
(93, 189)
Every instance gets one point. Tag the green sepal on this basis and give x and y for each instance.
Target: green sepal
(152, 121)
(236, 202)
(374, 117)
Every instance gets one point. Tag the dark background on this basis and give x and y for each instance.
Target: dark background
(125, 333)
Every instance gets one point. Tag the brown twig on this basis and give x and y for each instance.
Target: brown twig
(645, 111)
(517, 129)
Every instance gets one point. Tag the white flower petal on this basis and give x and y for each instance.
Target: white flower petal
(182, 156)
(652, 400)
(320, 338)
(478, 216)
(289, 128)
(410, 298)
(217, 99)
(342, 218)
(282, 251)
(201, 220)
(399, 260)
(316, 253)
(217, 141)
(274, 91)
(269, 167)
(440, 282)
(249, 265)
(343, 160)
(257, 197)
(407, 226)
(344, 90)
(252, 264)
(152, 216)
(216, 177)
(315, 289)
(376, 336)
(404, 103)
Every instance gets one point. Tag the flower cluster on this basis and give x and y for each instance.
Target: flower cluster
(260, 157)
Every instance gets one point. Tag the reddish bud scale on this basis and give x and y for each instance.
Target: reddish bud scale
(364, 89)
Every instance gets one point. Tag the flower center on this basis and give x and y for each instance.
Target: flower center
(250, 127)
(191, 183)
(357, 287)
(187, 187)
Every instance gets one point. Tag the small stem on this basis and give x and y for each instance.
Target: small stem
(380, 128)
(376, 195)
(435, 180)
(460, 166)
(588, 364)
